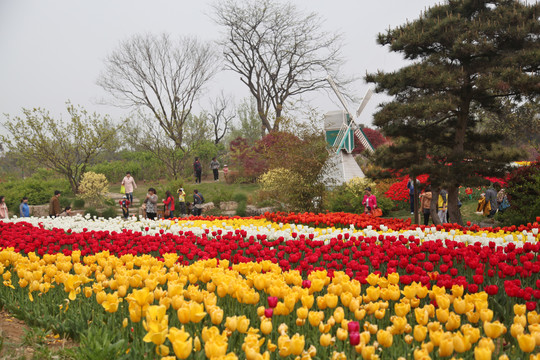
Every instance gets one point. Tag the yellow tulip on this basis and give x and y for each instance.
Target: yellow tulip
(402, 309)
(181, 342)
(454, 321)
(368, 352)
(460, 306)
(494, 329)
(379, 314)
(486, 315)
(315, 317)
(398, 324)
(443, 301)
(482, 353)
(342, 334)
(331, 300)
(527, 343)
(339, 314)
(216, 347)
(266, 326)
(521, 320)
(533, 317)
(487, 343)
(326, 340)
(446, 346)
(346, 298)
(520, 309)
(373, 293)
(384, 338)
(302, 312)
(373, 279)
(297, 344)
(243, 324)
(442, 315)
(457, 291)
(421, 315)
(307, 301)
(365, 337)
(461, 342)
(393, 278)
(516, 329)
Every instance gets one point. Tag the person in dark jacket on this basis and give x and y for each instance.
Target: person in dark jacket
(198, 200)
(197, 167)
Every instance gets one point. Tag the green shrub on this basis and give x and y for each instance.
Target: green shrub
(115, 171)
(91, 211)
(78, 204)
(109, 213)
(291, 188)
(39, 189)
(239, 197)
(93, 188)
(523, 192)
(221, 195)
(348, 197)
(64, 202)
(241, 209)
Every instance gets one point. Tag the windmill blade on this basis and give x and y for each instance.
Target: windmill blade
(338, 93)
(364, 102)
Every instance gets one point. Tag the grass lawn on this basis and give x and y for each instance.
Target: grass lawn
(212, 191)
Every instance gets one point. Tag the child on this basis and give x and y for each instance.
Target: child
(182, 201)
(124, 203)
(225, 171)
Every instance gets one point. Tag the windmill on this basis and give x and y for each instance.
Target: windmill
(340, 130)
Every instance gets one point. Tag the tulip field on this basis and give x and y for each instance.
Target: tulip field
(278, 286)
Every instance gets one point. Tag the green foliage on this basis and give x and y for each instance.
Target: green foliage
(290, 188)
(67, 147)
(523, 192)
(115, 171)
(467, 57)
(109, 213)
(102, 343)
(78, 203)
(239, 197)
(348, 197)
(93, 188)
(241, 209)
(64, 202)
(222, 195)
(39, 190)
(92, 212)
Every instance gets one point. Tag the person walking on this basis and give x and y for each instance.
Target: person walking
(151, 204)
(214, 165)
(129, 184)
(124, 204)
(491, 197)
(181, 201)
(24, 209)
(442, 205)
(54, 204)
(4, 214)
(410, 186)
(198, 200)
(369, 201)
(425, 203)
(169, 205)
(197, 167)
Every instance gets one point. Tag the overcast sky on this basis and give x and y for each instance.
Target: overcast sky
(52, 51)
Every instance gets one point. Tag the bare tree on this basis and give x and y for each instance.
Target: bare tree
(145, 136)
(162, 75)
(278, 51)
(221, 115)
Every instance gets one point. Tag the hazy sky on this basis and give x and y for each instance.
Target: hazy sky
(53, 51)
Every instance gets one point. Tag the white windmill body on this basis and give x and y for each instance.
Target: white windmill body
(340, 130)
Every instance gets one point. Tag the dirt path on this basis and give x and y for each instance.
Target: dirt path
(18, 341)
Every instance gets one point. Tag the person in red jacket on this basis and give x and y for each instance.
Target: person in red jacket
(169, 205)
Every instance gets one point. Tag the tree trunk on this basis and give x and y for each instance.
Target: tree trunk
(433, 207)
(454, 212)
(416, 202)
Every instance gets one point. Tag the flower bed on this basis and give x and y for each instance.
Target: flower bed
(277, 285)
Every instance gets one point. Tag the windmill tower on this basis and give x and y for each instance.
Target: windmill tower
(340, 130)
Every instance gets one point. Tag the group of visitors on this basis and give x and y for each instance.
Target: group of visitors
(24, 208)
(493, 200)
(150, 202)
(214, 165)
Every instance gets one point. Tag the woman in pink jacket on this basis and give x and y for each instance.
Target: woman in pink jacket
(370, 201)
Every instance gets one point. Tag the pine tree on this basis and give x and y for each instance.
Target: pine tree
(466, 56)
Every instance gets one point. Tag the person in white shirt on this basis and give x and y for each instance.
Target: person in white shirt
(129, 184)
